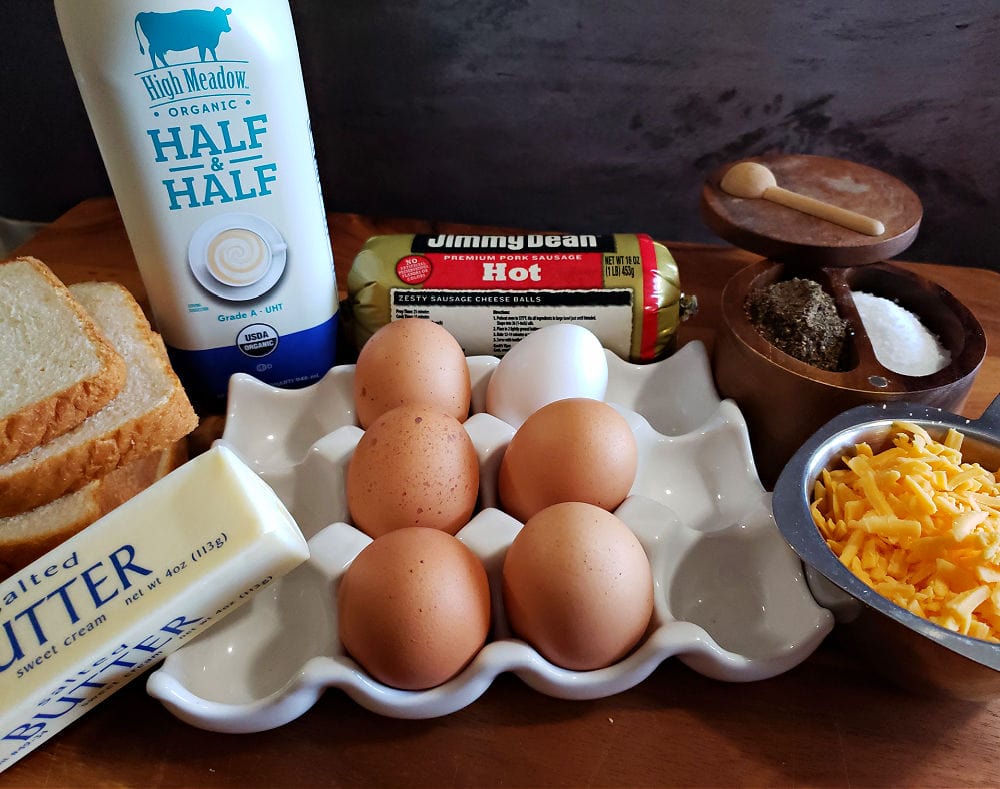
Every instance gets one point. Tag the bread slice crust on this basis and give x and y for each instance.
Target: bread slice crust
(151, 412)
(40, 416)
(29, 535)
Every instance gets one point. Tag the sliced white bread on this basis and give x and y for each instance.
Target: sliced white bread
(56, 368)
(150, 413)
(25, 537)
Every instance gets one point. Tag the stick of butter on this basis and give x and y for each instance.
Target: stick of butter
(95, 612)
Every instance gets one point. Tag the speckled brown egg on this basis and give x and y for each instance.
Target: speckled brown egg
(577, 586)
(413, 608)
(414, 466)
(407, 361)
(576, 449)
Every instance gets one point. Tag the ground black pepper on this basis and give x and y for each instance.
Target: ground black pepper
(800, 318)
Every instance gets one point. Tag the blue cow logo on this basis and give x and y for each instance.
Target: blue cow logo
(180, 30)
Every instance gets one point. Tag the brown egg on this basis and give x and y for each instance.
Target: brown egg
(577, 449)
(412, 360)
(413, 608)
(577, 586)
(414, 466)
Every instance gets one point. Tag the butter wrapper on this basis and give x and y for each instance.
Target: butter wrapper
(94, 613)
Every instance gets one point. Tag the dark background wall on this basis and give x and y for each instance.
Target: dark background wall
(587, 115)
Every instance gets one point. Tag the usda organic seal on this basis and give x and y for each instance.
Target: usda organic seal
(257, 339)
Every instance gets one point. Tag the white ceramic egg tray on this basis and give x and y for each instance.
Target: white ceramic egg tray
(730, 596)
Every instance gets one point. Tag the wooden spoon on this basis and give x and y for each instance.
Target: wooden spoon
(752, 179)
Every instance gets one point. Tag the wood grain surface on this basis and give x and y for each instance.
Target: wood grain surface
(829, 722)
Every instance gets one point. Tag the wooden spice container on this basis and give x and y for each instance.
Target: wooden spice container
(785, 400)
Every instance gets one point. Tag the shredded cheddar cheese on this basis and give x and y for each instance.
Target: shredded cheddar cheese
(920, 526)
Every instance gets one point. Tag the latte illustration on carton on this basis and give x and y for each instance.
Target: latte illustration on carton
(238, 257)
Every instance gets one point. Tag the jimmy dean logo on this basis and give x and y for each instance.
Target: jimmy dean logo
(448, 242)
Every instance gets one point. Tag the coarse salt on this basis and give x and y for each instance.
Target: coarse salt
(900, 341)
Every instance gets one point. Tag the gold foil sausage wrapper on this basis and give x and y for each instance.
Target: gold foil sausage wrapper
(490, 291)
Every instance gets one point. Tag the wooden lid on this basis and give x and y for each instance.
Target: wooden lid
(786, 234)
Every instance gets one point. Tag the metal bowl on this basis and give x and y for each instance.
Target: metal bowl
(907, 648)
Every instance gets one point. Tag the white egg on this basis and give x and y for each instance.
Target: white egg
(553, 363)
